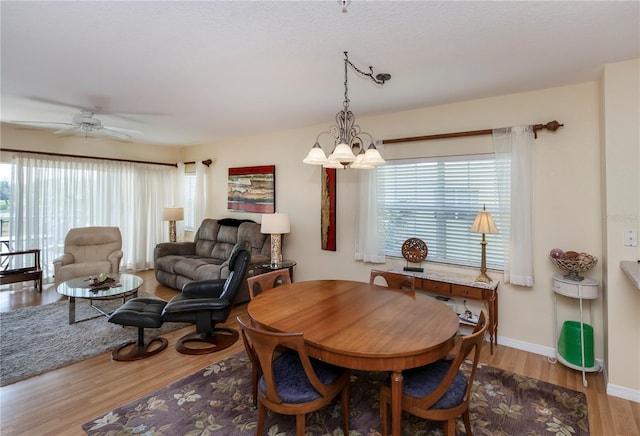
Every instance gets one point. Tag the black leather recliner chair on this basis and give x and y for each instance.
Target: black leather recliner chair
(206, 303)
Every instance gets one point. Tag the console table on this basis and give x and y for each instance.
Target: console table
(22, 274)
(461, 286)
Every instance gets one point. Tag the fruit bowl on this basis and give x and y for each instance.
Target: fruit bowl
(574, 263)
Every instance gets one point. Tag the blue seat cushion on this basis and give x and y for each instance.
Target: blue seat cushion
(291, 381)
(420, 382)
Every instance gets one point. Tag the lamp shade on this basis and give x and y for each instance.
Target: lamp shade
(342, 153)
(316, 156)
(483, 223)
(275, 223)
(173, 214)
(372, 156)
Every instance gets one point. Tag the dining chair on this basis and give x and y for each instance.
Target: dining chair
(292, 383)
(263, 282)
(394, 280)
(440, 391)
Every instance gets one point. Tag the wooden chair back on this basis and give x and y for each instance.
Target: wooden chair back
(394, 280)
(263, 282)
(263, 347)
(423, 407)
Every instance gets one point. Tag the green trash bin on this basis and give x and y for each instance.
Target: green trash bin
(570, 344)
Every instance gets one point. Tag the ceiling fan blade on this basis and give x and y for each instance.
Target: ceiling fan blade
(40, 122)
(66, 130)
(55, 102)
(108, 131)
(99, 105)
(125, 131)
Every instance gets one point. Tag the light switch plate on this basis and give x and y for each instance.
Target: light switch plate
(630, 238)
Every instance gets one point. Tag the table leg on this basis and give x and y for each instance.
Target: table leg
(493, 321)
(72, 310)
(396, 403)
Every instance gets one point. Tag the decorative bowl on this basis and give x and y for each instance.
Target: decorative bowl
(99, 279)
(575, 263)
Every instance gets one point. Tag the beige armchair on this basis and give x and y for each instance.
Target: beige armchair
(89, 251)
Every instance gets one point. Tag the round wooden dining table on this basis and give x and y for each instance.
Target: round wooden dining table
(361, 326)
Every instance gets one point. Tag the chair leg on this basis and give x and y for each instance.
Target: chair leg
(467, 422)
(219, 339)
(300, 424)
(262, 414)
(450, 427)
(254, 384)
(140, 350)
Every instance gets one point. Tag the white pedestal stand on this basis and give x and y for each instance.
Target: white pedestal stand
(586, 289)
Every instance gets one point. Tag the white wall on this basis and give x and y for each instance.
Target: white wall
(621, 211)
(567, 187)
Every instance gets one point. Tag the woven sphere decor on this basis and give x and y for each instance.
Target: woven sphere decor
(414, 250)
(572, 262)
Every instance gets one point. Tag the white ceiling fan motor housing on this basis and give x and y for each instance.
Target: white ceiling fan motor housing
(86, 118)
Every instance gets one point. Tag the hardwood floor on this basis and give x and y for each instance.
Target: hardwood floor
(58, 402)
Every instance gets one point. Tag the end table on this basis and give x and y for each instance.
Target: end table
(285, 264)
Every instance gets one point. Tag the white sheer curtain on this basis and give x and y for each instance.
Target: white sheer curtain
(179, 198)
(52, 194)
(200, 196)
(369, 232)
(514, 156)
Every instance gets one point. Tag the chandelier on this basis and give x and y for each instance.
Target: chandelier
(349, 150)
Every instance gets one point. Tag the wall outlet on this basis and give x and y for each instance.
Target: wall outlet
(630, 238)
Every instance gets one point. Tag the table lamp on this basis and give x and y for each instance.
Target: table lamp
(483, 224)
(172, 214)
(275, 224)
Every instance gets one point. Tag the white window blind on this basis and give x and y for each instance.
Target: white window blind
(437, 200)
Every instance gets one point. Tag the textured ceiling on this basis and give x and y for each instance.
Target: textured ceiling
(194, 72)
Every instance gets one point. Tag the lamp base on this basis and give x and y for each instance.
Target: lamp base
(172, 231)
(484, 278)
(276, 250)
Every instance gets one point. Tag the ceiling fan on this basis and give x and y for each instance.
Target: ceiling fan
(85, 123)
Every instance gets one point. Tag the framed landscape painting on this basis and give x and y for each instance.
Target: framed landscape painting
(252, 189)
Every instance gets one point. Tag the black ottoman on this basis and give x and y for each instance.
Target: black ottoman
(142, 313)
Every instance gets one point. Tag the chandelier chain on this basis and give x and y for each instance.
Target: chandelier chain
(378, 79)
(345, 104)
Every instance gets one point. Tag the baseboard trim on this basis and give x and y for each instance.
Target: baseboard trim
(613, 390)
(623, 392)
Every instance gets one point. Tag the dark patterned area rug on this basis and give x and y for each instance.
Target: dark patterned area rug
(39, 339)
(217, 400)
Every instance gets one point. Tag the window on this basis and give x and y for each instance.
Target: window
(189, 196)
(437, 200)
(5, 203)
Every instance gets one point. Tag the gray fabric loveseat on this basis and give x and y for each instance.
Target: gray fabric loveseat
(207, 257)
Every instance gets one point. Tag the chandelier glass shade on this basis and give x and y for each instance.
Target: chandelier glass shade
(348, 139)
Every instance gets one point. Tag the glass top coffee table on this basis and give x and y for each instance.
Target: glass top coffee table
(122, 286)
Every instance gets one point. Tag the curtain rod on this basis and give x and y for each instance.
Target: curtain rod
(551, 125)
(205, 162)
